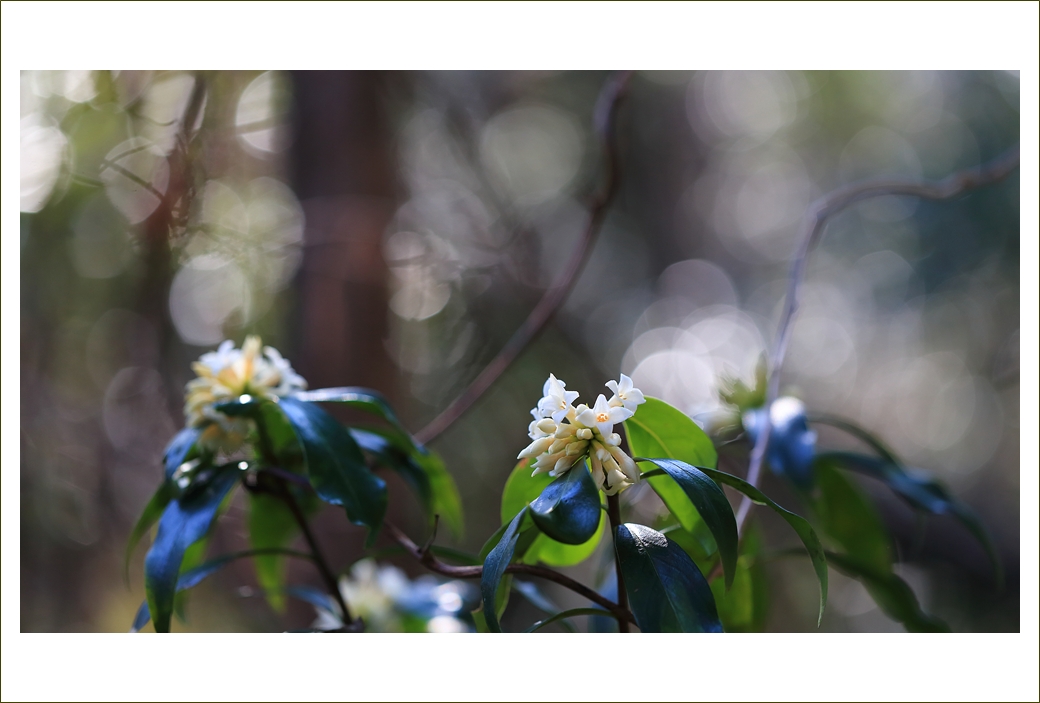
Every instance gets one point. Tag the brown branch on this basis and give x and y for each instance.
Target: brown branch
(812, 230)
(604, 118)
(427, 559)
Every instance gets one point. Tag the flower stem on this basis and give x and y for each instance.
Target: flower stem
(614, 514)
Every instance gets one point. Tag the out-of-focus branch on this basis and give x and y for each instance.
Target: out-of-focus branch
(815, 221)
(427, 559)
(604, 118)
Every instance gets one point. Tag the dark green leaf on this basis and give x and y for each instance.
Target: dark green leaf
(181, 448)
(421, 468)
(801, 527)
(573, 612)
(361, 398)
(891, 593)
(922, 492)
(495, 565)
(711, 504)
(847, 518)
(185, 521)
(568, 509)
(336, 466)
(856, 431)
(193, 577)
(520, 490)
(666, 590)
(271, 526)
(149, 516)
(658, 429)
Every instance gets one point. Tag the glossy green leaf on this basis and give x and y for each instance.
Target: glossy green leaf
(848, 520)
(185, 521)
(568, 509)
(666, 590)
(712, 505)
(495, 565)
(799, 524)
(520, 490)
(892, 594)
(149, 516)
(923, 492)
(336, 466)
(271, 526)
(657, 429)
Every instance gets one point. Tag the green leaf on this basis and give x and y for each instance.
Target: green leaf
(495, 564)
(923, 492)
(847, 518)
(183, 447)
(712, 505)
(666, 590)
(743, 607)
(356, 397)
(336, 466)
(185, 521)
(568, 509)
(520, 490)
(573, 612)
(801, 527)
(658, 429)
(271, 526)
(858, 432)
(423, 469)
(194, 576)
(892, 594)
(149, 516)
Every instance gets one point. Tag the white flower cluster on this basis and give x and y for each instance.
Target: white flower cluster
(563, 434)
(228, 373)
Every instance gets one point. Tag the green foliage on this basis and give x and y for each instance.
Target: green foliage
(659, 430)
(184, 522)
(568, 509)
(847, 518)
(744, 606)
(520, 490)
(149, 516)
(922, 492)
(799, 524)
(666, 590)
(711, 504)
(742, 396)
(271, 526)
(495, 564)
(336, 465)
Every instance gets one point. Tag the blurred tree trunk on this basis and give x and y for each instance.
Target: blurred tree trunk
(343, 173)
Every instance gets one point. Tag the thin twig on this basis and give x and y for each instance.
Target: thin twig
(604, 118)
(427, 559)
(812, 230)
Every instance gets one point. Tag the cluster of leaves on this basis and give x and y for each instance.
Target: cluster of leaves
(303, 456)
(692, 571)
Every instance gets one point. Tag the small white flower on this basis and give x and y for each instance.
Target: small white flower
(556, 399)
(603, 417)
(625, 394)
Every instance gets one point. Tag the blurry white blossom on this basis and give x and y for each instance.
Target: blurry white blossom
(228, 373)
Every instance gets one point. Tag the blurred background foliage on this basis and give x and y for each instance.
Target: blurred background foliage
(393, 229)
